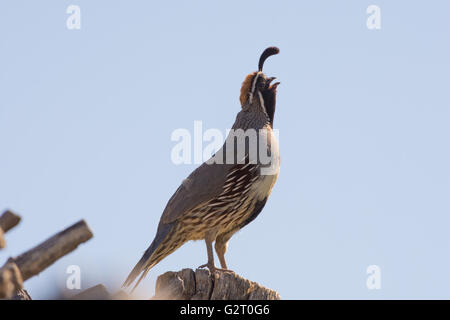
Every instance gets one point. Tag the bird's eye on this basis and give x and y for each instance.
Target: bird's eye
(261, 83)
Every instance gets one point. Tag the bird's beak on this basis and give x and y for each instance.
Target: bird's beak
(273, 86)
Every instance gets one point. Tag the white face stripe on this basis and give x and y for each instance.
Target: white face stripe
(254, 81)
(254, 85)
(261, 102)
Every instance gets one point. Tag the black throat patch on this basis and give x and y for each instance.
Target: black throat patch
(269, 97)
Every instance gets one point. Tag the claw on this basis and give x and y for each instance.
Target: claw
(213, 269)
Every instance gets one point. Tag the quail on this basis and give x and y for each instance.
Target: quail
(228, 191)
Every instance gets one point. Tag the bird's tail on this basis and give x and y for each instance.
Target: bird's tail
(147, 261)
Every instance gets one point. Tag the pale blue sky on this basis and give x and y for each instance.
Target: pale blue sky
(86, 117)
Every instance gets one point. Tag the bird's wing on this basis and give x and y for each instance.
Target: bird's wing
(203, 184)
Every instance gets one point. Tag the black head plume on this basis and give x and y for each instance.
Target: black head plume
(270, 51)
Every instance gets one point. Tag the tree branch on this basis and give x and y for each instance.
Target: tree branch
(8, 220)
(200, 285)
(34, 261)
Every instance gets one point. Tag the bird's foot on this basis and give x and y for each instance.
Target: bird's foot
(212, 268)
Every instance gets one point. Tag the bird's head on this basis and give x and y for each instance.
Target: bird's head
(257, 91)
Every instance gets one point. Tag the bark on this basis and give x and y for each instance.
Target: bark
(189, 285)
(97, 292)
(200, 285)
(8, 220)
(10, 280)
(21, 294)
(34, 261)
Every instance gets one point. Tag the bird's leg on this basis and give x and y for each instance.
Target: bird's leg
(221, 248)
(211, 266)
(221, 256)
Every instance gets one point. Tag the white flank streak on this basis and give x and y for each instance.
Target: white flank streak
(227, 185)
(245, 166)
